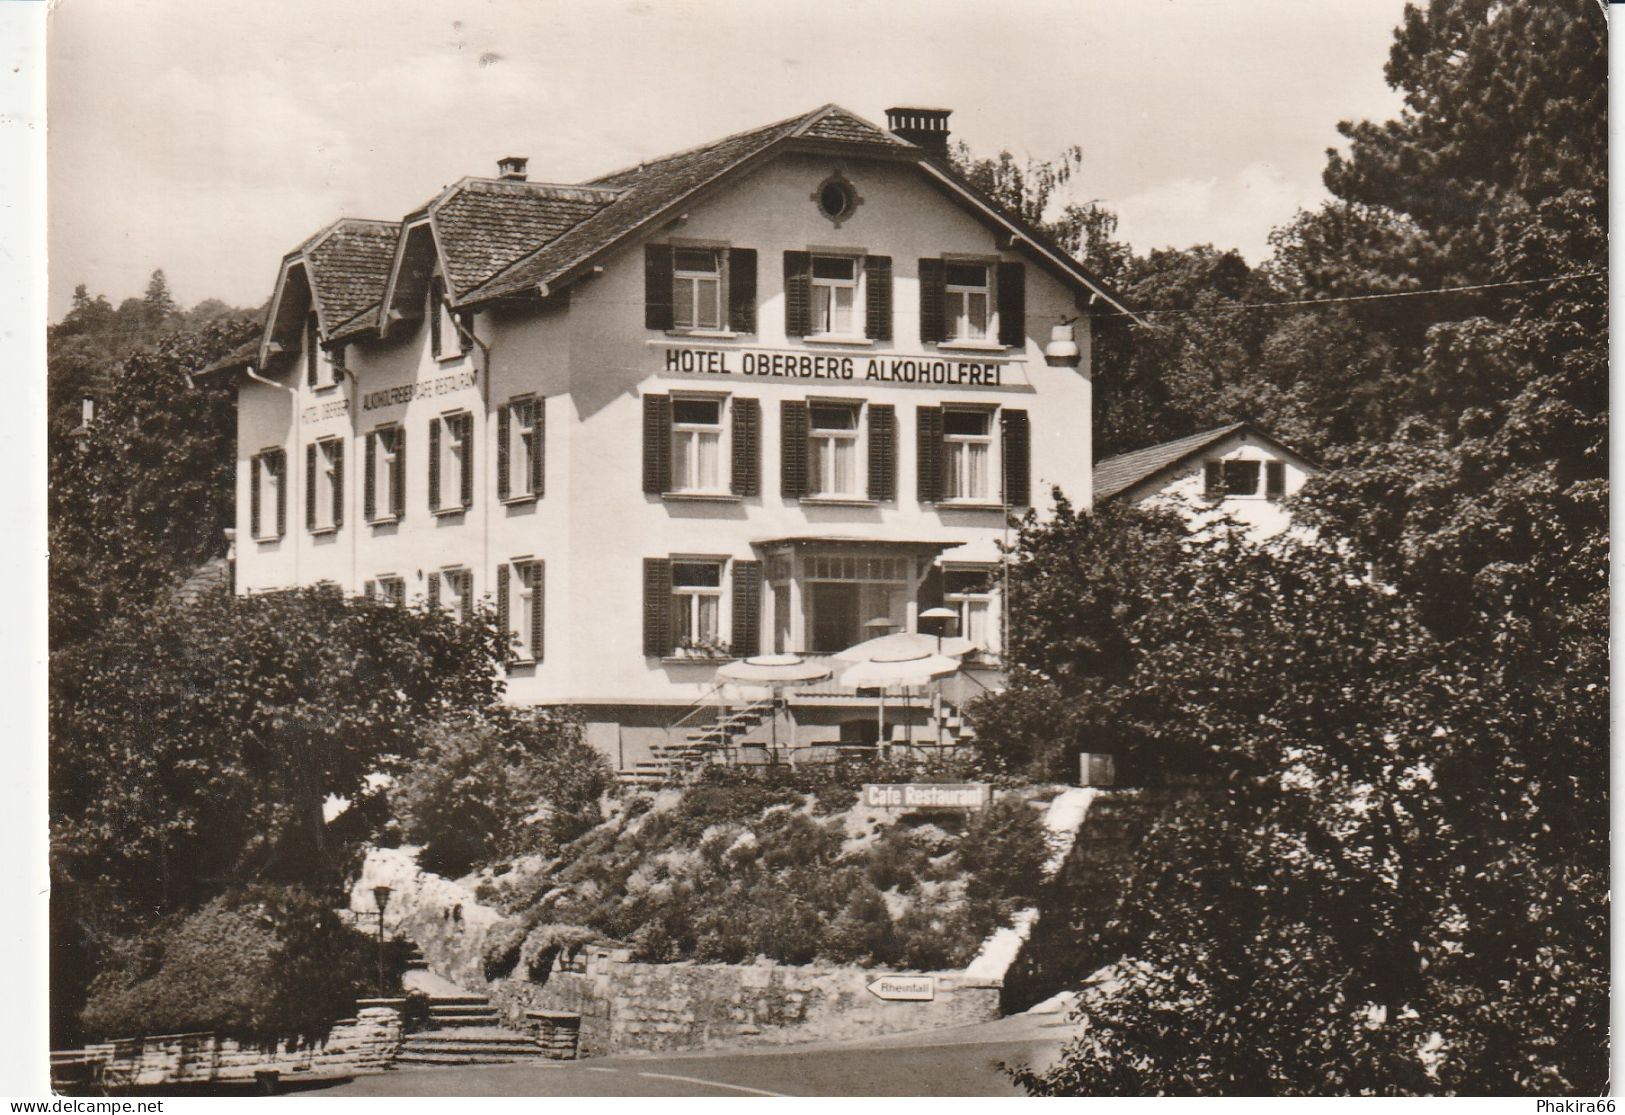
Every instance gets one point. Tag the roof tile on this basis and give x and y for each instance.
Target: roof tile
(1114, 475)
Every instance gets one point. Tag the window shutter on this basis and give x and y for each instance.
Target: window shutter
(279, 461)
(434, 589)
(504, 628)
(882, 452)
(657, 303)
(929, 458)
(465, 335)
(436, 296)
(434, 464)
(465, 425)
(504, 429)
(256, 465)
(656, 443)
(797, 294)
(877, 298)
(747, 447)
(310, 350)
(742, 290)
(465, 588)
(792, 449)
(933, 301)
(369, 498)
(1018, 458)
(747, 632)
(1012, 295)
(657, 637)
(1274, 479)
(1213, 479)
(537, 410)
(397, 475)
(370, 590)
(338, 484)
(538, 607)
(310, 486)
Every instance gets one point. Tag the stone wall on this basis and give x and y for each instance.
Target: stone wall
(438, 915)
(355, 1046)
(629, 1006)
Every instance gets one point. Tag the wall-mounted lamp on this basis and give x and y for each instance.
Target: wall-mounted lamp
(1063, 345)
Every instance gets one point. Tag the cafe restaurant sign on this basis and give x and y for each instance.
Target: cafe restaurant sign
(957, 796)
(846, 368)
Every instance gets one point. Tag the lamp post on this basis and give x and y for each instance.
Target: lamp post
(942, 616)
(380, 895)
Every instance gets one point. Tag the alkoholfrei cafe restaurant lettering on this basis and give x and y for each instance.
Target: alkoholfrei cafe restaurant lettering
(801, 365)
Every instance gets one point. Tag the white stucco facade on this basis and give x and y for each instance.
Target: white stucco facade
(1262, 511)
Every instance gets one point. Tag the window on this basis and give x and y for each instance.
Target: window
(844, 593)
(318, 362)
(834, 296)
(696, 445)
(387, 589)
(452, 590)
(447, 330)
(968, 590)
(386, 474)
(268, 495)
(451, 462)
(967, 301)
(832, 449)
(697, 288)
(521, 596)
(696, 605)
(837, 199)
(967, 444)
(324, 485)
(1230, 478)
(519, 450)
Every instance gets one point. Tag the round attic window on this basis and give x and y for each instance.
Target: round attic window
(836, 198)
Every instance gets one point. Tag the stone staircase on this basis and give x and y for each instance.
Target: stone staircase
(465, 1030)
(699, 744)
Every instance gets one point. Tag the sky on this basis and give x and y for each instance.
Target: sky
(210, 139)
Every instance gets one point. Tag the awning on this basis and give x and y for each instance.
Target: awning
(834, 541)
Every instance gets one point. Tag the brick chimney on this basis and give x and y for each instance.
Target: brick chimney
(923, 127)
(512, 168)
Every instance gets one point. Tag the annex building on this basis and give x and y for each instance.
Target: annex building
(773, 394)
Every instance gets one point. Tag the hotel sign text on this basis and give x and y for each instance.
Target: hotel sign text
(853, 368)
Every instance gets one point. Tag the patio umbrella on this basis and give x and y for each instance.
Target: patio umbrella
(899, 667)
(905, 643)
(774, 671)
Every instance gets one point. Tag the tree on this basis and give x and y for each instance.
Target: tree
(158, 305)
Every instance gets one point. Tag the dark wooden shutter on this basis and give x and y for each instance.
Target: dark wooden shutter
(797, 294)
(931, 589)
(310, 486)
(656, 443)
(742, 290)
(434, 464)
(465, 425)
(657, 301)
(504, 427)
(1213, 479)
(504, 627)
(792, 449)
(465, 335)
(882, 452)
(369, 498)
(434, 588)
(280, 461)
(657, 636)
(369, 589)
(1274, 479)
(256, 465)
(933, 301)
(929, 457)
(537, 409)
(397, 474)
(877, 298)
(1012, 294)
(436, 295)
(747, 633)
(747, 447)
(310, 349)
(1018, 458)
(338, 484)
(538, 607)
(465, 591)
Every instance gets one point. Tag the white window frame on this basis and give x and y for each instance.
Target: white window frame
(522, 448)
(384, 583)
(954, 319)
(688, 608)
(717, 279)
(521, 591)
(823, 324)
(955, 447)
(272, 484)
(386, 450)
(875, 574)
(964, 602)
(328, 495)
(816, 489)
(1260, 483)
(685, 453)
(449, 596)
(453, 460)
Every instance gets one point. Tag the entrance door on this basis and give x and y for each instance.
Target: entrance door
(834, 616)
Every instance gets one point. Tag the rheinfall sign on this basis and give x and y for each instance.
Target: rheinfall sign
(848, 368)
(919, 989)
(927, 795)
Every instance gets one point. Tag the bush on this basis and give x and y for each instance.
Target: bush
(261, 964)
(1003, 852)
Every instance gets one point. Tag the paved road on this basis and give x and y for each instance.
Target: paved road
(958, 1062)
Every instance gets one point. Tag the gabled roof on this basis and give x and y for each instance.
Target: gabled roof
(349, 263)
(245, 355)
(1115, 475)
